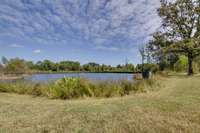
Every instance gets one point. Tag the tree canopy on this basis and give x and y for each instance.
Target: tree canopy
(180, 32)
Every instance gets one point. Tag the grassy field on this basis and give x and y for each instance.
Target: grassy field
(173, 108)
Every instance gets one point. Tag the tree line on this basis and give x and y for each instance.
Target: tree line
(20, 66)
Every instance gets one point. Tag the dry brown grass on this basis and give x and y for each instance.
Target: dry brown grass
(174, 108)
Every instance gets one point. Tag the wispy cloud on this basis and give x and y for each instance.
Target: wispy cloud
(37, 51)
(16, 46)
(62, 20)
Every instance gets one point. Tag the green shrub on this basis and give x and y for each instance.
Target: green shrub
(67, 88)
(181, 64)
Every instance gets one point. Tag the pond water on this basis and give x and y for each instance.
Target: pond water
(89, 76)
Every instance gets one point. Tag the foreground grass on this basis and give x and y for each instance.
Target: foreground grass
(174, 108)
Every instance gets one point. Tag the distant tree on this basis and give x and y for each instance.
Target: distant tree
(86, 67)
(48, 65)
(30, 65)
(119, 66)
(69, 66)
(104, 68)
(38, 65)
(129, 67)
(92, 67)
(45, 65)
(16, 66)
(75, 66)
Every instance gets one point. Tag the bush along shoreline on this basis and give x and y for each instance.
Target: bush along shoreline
(74, 88)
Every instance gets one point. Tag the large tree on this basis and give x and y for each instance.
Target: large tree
(180, 31)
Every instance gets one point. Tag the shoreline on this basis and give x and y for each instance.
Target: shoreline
(12, 77)
(81, 72)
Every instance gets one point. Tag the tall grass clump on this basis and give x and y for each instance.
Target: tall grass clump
(116, 88)
(68, 88)
(145, 85)
(17, 87)
(35, 89)
(106, 89)
(71, 88)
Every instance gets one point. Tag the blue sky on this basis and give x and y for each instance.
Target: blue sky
(103, 31)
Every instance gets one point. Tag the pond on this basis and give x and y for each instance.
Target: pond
(89, 76)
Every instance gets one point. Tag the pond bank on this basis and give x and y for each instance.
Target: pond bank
(12, 77)
(75, 88)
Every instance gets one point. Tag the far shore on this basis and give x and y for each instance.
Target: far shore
(51, 72)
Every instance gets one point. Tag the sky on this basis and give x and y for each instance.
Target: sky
(102, 31)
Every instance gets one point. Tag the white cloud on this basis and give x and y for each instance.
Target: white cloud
(106, 48)
(61, 20)
(16, 46)
(37, 51)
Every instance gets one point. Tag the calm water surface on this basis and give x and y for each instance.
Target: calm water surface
(90, 76)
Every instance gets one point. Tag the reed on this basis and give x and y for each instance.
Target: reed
(72, 88)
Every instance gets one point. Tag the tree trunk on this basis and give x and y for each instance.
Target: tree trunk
(190, 67)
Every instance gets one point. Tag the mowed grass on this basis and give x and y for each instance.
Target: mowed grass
(173, 108)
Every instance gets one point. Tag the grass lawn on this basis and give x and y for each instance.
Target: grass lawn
(173, 108)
